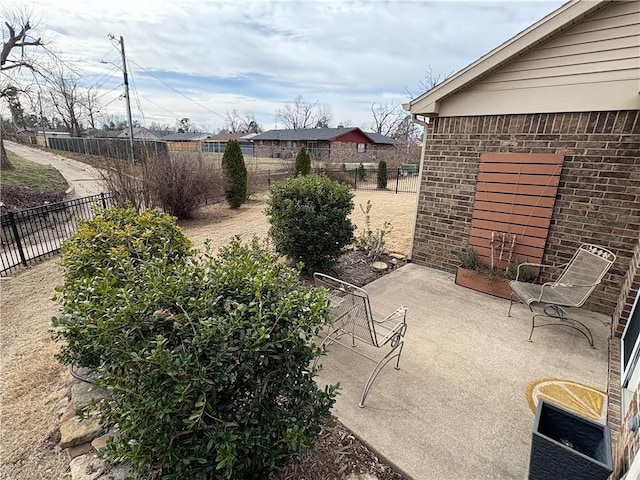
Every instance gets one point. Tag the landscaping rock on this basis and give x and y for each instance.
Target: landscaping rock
(78, 450)
(76, 431)
(379, 266)
(87, 467)
(83, 393)
(62, 406)
(68, 413)
(101, 442)
(117, 472)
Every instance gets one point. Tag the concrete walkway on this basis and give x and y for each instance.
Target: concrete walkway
(457, 408)
(84, 179)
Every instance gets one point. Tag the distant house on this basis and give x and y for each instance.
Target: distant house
(185, 141)
(337, 145)
(218, 142)
(566, 88)
(139, 133)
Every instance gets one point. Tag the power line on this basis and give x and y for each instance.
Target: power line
(107, 93)
(174, 114)
(105, 77)
(135, 91)
(176, 90)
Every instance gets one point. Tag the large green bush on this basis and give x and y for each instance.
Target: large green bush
(309, 219)
(382, 175)
(101, 259)
(235, 174)
(207, 362)
(303, 162)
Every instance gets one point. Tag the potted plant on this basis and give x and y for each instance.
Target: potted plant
(492, 278)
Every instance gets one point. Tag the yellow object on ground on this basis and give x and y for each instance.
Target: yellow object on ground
(576, 397)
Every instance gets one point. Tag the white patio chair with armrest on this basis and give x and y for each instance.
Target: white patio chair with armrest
(580, 277)
(352, 316)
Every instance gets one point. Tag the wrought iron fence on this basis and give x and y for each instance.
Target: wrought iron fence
(399, 180)
(35, 233)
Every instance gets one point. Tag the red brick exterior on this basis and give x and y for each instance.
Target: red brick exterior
(331, 152)
(626, 444)
(598, 198)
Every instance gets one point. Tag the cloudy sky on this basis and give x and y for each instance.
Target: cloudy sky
(200, 59)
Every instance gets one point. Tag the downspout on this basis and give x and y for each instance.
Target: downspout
(424, 124)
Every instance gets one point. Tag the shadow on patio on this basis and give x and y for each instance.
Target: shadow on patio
(457, 408)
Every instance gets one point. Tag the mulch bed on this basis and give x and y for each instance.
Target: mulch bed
(338, 454)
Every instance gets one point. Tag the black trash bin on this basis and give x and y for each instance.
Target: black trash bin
(568, 446)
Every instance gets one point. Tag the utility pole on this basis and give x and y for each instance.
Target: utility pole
(126, 95)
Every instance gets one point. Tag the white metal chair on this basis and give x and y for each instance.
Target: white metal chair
(352, 316)
(580, 277)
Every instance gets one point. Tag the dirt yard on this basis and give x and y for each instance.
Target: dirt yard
(32, 382)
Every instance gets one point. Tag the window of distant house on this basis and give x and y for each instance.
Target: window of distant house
(361, 147)
(312, 148)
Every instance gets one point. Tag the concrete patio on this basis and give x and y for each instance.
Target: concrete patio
(457, 408)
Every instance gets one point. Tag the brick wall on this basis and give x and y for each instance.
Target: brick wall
(598, 198)
(333, 152)
(626, 444)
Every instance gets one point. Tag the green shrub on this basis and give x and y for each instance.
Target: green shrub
(468, 258)
(309, 219)
(527, 274)
(235, 174)
(101, 259)
(382, 175)
(361, 172)
(208, 365)
(303, 162)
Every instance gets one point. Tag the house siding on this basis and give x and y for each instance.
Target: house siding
(593, 65)
(598, 197)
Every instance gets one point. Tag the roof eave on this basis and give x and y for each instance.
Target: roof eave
(560, 19)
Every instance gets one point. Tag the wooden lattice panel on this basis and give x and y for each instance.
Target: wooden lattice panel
(515, 194)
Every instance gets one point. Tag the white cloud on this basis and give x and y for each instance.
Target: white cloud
(343, 53)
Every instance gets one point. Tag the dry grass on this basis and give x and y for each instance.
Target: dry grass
(32, 383)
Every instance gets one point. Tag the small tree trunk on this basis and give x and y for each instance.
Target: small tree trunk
(5, 164)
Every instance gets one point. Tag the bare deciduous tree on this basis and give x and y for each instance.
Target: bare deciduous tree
(17, 43)
(324, 116)
(238, 123)
(432, 79)
(67, 97)
(301, 114)
(386, 117)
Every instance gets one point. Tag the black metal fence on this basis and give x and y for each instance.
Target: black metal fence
(399, 180)
(35, 233)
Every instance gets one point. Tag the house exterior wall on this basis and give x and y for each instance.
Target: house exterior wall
(626, 444)
(593, 65)
(332, 152)
(598, 197)
(353, 137)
